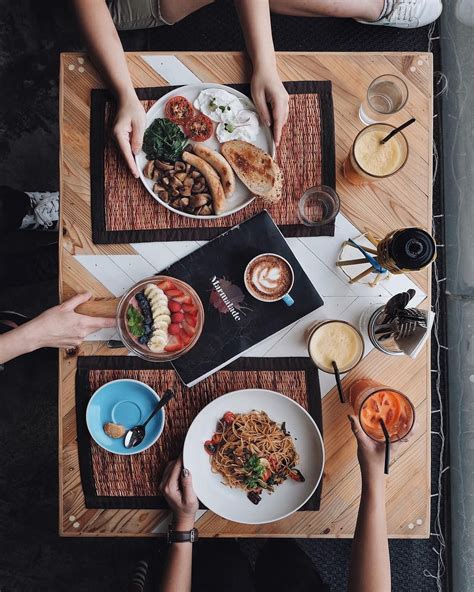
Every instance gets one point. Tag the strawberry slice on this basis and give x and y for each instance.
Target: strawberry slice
(177, 317)
(187, 328)
(190, 308)
(185, 338)
(174, 329)
(166, 285)
(191, 320)
(174, 306)
(183, 299)
(174, 344)
(173, 293)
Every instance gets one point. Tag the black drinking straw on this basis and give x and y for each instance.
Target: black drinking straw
(398, 129)
(338, 382)
(387, 445)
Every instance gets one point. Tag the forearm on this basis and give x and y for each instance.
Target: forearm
(256, 25)
(370, 560)
(177, 573)
(104, 45)
(16, 343)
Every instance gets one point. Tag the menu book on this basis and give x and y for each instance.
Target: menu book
(235, 321)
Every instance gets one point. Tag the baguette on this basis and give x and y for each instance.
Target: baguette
(220, 164)
(254, 167)
(212, 180)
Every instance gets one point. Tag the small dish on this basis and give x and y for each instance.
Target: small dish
(185, 303)
(127, 402)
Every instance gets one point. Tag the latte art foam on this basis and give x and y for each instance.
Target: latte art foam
(268, 277)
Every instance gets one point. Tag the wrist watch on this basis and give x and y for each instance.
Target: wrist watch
(182, 536)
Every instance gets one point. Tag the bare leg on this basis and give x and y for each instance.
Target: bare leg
(173, 11)
(368, 10)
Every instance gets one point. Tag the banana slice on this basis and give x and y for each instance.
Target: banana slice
(157, 302)
(160, 310)
(161, 325)
(162, 318)
(155, 295)
(159, 334)
(151, 289)
(156, 347)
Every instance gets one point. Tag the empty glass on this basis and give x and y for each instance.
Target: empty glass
(386, 95)
(318, 206)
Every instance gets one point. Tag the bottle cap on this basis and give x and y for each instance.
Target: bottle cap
(412, 248)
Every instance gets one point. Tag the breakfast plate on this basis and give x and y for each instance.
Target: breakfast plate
(232, 503)
(128, 403)
(241, 196)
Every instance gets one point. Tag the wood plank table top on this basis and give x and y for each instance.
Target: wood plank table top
(402, 200)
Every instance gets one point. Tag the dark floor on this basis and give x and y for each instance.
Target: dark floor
(32, 556)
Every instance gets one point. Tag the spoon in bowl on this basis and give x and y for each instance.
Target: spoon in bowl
(135, 435)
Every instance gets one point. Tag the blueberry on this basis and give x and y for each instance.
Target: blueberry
(143, 339)
(147, 319)
(147, 328)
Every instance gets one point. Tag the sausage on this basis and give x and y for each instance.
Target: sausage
(220, 164)
(212, 179)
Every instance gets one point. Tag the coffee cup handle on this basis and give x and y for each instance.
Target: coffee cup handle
(288, 300)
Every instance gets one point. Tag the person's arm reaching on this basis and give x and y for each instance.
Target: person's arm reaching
(59, 326)
(370, 559)
(177, 488)
(266, 85)
(106, 50)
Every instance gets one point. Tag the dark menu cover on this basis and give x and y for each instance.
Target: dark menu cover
(234, 320)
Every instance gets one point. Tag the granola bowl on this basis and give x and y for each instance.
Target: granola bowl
(160, 318)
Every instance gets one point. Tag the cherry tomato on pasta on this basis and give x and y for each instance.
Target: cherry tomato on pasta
(229, 417)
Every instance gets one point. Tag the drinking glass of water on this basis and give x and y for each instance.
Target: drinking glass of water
(386, 95)
(318, 206)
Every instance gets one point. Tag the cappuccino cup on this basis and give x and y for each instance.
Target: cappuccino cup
(269, 278)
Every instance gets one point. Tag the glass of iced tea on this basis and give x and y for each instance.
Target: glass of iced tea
(369, 160)
(372, 402)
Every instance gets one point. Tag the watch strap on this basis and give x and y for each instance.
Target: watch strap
(182, 536)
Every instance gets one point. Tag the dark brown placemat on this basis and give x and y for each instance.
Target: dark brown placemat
(115, 481)
(123, 211)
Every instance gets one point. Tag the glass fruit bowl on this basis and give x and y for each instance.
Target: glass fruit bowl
(160, 318)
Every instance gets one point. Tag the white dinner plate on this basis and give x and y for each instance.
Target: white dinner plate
(232, 503)
(241, 196)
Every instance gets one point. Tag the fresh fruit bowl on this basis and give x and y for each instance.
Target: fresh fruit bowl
(160, 318)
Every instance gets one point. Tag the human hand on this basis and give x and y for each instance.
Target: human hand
(177, 489)
(267, 89)
(60, 326)
(128, 130)
(370, 453)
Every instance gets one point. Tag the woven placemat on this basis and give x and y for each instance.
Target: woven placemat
(123, 211)
(115, 481)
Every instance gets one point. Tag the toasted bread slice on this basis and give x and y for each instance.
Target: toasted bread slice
(277, 192)
(254, 167)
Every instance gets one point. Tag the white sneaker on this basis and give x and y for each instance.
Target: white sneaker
(408, 14)
(45, 211)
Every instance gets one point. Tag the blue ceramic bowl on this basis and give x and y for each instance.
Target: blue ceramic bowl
(129, 403)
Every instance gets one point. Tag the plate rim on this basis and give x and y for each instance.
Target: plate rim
(130, 451)
(319, 435)
(202, 85)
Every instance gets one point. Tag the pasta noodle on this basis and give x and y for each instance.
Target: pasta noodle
(252, 452)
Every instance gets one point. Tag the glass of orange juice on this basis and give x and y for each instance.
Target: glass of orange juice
(373, 402)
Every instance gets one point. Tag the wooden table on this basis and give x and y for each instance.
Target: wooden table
(402, 200)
